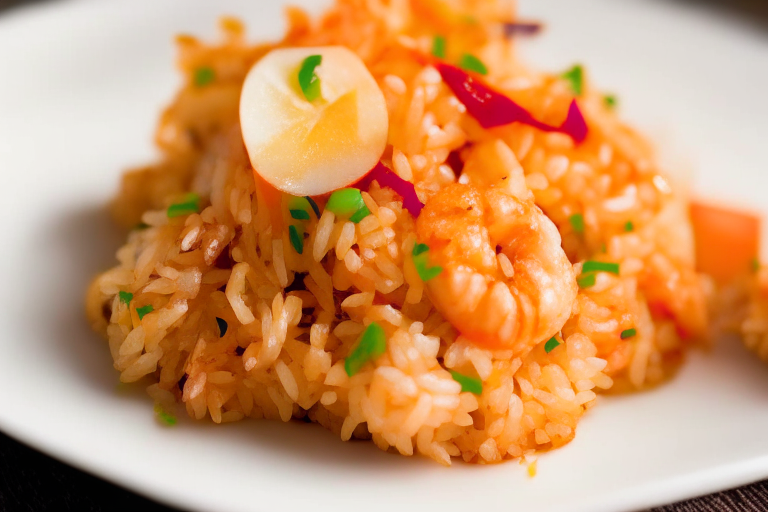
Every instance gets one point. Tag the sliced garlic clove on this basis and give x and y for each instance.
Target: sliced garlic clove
(312, 148)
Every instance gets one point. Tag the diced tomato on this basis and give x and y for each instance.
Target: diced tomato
(727, 240)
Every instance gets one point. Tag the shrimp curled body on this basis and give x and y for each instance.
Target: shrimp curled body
(467, 228)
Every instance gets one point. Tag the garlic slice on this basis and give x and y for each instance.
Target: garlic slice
(308, 148)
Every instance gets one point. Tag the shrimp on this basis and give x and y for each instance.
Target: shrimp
(497, 306)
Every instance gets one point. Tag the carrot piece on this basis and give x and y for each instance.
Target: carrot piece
(727, 240)
(272, 200)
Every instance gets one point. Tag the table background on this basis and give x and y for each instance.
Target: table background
(31, 481)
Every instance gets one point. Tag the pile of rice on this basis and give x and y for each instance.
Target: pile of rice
(292, 319)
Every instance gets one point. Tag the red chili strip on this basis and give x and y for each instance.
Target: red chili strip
(521, 28)
(491, 108)
(388, 178)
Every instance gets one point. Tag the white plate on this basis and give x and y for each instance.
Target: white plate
(82, 84)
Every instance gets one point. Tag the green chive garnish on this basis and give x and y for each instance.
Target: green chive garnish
(373, 343)
(141, 226)
(308, 80)
(297, 240)
(754, 264)
(191, 204)
(604, 248)
(471, 63)
(125, 297)
(575, 78)
(586, 281)
(300, 214)
(600, 266)
(610, 101)
(628, 333)
(299, 208)
(420, 255)
(468, 384)
(164, 417)
(360, 214)
(144, 311)
(429, 273)
(629, 226)
(438, 47)
(313, 205)
(345, 202)
(222, 326)
(551, 345)
(203, 76)
(298, 203)
(588, 270)
(577, 222)
(419, 249)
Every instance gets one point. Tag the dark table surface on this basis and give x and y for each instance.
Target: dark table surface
(32, 481)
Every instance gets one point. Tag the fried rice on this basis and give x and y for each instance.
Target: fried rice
(242, 325)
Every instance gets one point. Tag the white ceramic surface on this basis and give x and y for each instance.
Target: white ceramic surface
(82, 82)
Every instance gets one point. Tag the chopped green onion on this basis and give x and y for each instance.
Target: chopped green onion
(604, 248)
(373, 343)
(345, 202)
(299, 214)
(468, 384)
(577, 222)
(754, 264)
(438, 47)
(308, 80)
(223, 326)
(419, 249)
(298, 203)
(629, 226)
(575, 78)
(191, 204)
(313, 204)
(141, 226)
(610, 101)
(125, 297)
(204, 76)
(144, 310)
(297, 240)
(599, 266)
(299, 208)
(421, 262)
(586, 281)
(628, 333)
(428, 273)
(360, 214)
(469, 62)
(551, 345)
(164, 417)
